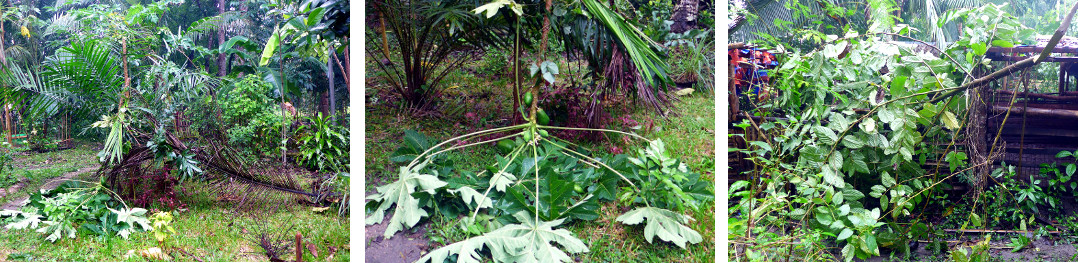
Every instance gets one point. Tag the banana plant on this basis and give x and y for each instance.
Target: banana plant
(298, 22)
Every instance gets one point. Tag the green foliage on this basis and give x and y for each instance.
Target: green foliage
(162, 226)
(527, 241)
(59, 212)
(415, 143)
(640, 49)
(1059, 181)
(1007, 210)
(252, 116)
(1020, 242)
(975, 253)
(665, 182)
(541, 177)
(325, 146)
(856, 174)
(548, 70)
(692, 57)
(184, 163)
(113, 149)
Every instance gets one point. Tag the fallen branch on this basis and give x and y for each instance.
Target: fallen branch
(997, 231)
(1025, 63)
(196, 257)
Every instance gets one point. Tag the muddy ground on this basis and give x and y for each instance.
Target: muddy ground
(1039, 250)
(404, 246)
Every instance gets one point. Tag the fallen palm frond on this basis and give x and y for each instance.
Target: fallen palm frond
(229, 175)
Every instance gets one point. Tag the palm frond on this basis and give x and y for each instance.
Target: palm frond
(639, 48)
(89, 70)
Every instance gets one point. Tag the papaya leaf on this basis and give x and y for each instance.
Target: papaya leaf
(470, 195)
(528, 241)
(407, 212)
(667, 225)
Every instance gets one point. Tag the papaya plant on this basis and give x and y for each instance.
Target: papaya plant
(539, 183)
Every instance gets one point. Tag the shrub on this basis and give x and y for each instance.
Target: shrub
(252, 117)
(325, 147)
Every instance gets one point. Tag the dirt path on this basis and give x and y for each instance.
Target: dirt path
(50, 184)
(404, 246)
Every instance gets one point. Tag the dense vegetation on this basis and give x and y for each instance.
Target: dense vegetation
(868, 153)
(206, 117)
(540, 125)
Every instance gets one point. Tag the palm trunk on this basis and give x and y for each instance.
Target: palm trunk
(3, 56)
(222, 61)
(7, 123)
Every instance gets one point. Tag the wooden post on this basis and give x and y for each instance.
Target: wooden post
(299, 247)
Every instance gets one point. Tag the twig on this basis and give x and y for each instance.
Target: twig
(997, 231)
(196, 257)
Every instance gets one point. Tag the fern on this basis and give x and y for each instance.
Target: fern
(408, 212)
(529, 241)
(666, 224)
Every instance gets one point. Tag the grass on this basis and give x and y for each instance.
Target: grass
(36, 169)
(210, 228)
(214, 233)
(688, 133)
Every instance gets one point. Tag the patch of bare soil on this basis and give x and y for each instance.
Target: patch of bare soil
(51, 184)
(250, 254)
(405, 246)
(1040, 250)
(13, 188)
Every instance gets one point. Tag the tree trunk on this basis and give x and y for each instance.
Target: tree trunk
(332, 87)
(222, 61)
(684, 16)
(284, 114)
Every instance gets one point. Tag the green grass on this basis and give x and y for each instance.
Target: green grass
(37, 169)
(213, 233)
(84, 154)
(688, 134)
(210, 229)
